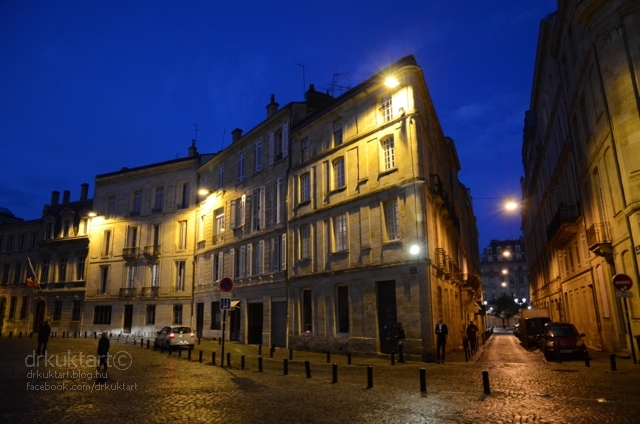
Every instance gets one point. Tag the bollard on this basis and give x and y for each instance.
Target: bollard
(110, 335)
(466, 355)
(147, 343)
(170, 350)
(213, 358)
(189, 354)
(393, 358)
(219, 340)
(141, 342)
(271, 350)
(20, 335)
(369, 377)
(179, 352)
(328, 356)
(198, 341)
(587, 362)
(285, 365)
(31, 334)
(485, 382)
(334, 369)
(11, 334)
(423, 380)
(85, 334)
(259, 350)
(556, 345)
(307, 368)
(200, 356)
(259, 363)
(228, 359)
(612, 359)
(349, 358)
(291, 354)
(242, 362)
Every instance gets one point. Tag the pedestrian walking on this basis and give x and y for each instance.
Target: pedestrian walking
(43, 337)
(400, 338)
(441, 340)
(103, 351)
(472, 335)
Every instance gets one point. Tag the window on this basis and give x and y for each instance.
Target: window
(217, 266)
(132, 271)
(258, 209)
(177, 314)
(385, 108)
(155, 274)
(257, 151)
(305, 242)
(337, 133)
(184, 196)
(278, 145)
(10, 242)
(338, 173)
(21, 242)
(102, 314)
(24, 307)
(158, 199)
(342, 309)
(220, 178)
(307, 312)
(5, 274)
(389, 155)
(242, 259)
(279, 196)
(80, 268)
(104, 278)
(304, 151)
(257, 266)
(215, 315)
(106, 243)
(201, 224)
(76, 310)
(182, 235)
(1, 240)
(12, 307)
(111, 206)
(391, 219)
(57, 310)
(48, 235)
(44, 271)
(17, 276)
(340, 232)
(241, 167)
(82, 230)
(237, 209)
(150, 315)
(517, 248)
(180, 275)
(276, 261)
(305, 187)
(132, 236)
(219, 230)
(137, 202)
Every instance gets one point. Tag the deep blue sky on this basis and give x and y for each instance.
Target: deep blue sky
(88, 87)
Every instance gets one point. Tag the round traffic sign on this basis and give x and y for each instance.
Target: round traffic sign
(226, 284)
(622, 282)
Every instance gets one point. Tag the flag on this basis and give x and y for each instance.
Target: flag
(33, 280)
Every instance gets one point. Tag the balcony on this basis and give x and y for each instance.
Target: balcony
(218, 238)
(151, 252)
(149, 292)
(130, 253)
(127, 292)
(599, 240)
(564, 225)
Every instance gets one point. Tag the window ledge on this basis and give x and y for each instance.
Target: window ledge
(391, 242)
(338, 190)
(304, 203)
(340, 252)
(387, 172)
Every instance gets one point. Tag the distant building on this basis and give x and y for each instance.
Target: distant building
(581, 155)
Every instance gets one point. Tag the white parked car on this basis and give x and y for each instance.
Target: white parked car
(179, 336)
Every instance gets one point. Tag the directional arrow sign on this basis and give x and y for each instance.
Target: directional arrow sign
(622, 282)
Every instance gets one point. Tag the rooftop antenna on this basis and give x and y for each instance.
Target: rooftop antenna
(334, 83)
(304, 83)
(196, 136)
(222, 142)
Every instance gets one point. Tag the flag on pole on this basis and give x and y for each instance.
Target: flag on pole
(32, 281)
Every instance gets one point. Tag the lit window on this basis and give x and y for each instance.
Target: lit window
(258, 155)
(389, 153)
(304, 150)
(337, 133)
(220, 178)
(159, 199)
(305, 188)
(241, 167)
(391, 219)
(338, 174)
(305, 242)
(137, 202)
(340, 232)
(180, 275)
(385, 108)
(219, 235)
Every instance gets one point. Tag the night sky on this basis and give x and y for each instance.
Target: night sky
(89, 87)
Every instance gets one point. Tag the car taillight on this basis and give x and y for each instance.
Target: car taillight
(192, 335)
(171, 336)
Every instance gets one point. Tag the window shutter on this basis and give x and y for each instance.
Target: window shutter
(249, 260)
(283, 254)
(232, 214)
(232, 261)
(271, 137)
(243, 204)
(200, 270)
(220, 265)
(243, 260)
(212, 277)
(285, 140)
(262, 223)
(278, 209)
(261, 257)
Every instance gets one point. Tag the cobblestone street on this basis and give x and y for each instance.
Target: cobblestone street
(150, 386)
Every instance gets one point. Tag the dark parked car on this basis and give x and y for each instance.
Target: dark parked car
(170, 337)
(531, 329)
(561, 339)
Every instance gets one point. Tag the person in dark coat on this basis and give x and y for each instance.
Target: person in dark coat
(441, 340)
(43, 337)
(400, 338)
(472, 335)
(103, 351)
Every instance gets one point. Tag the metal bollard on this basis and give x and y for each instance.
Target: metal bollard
(200, 357)
(228, 359)
(557, 347)
(147, 343)
(179, 352)
(31, 334)
(328, 356)
(198, 341)
(242, 362)
(423, 380)
(485, 382)
(393, 358)
(189, 354)
(219, 340)
(587, 362)
(271, 350)
(259, 363)
(213, 358)
(259, 349)
(11, 334)
(349, 358)
(334, 369)
(285, 365)
(20, 335)
(369, 377)
(291, 354)
(612, 359)
(85, 334)
(307, 368)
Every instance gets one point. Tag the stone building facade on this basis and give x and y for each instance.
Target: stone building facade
(581, 155)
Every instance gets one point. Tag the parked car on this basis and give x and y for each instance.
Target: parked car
(531, 329)
(178, 335)
(562, 338)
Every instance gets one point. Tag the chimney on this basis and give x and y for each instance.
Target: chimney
(55, 198)
(272, 107)
(192, 150)
(84, 191)
(65, 196)
(236, 134)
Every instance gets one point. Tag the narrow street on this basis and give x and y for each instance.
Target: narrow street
(504, 347)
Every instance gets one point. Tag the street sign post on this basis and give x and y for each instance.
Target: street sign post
(226, 285)
(623, 283)
(225, 303)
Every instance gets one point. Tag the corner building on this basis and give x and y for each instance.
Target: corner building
(380, 230)
(581, 156)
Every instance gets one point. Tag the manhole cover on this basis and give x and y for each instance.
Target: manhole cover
(542, 395)
(603, 400)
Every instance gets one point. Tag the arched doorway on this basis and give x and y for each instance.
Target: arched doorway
(39, 316)
(3, 305)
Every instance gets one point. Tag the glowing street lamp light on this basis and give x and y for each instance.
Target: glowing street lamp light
(504, 271)
(391, 82)
(511, 205)
(414, 250)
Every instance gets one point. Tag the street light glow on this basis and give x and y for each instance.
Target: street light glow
(391, 82)
(511, 205)
(414, 250)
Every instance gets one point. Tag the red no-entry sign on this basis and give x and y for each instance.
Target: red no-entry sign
(622, 282)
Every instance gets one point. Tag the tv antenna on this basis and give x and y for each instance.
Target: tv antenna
(334, 83)
(196, 136)
(304, 83)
